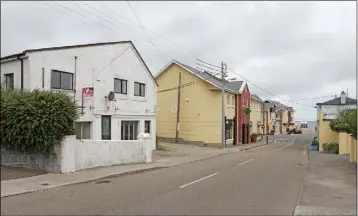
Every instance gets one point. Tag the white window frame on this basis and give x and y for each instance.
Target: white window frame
(129, 129)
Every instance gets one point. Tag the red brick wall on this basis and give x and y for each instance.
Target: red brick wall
(242, 101)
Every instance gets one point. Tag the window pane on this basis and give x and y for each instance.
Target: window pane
(9, 81)
(147, 126)
(78, 130)
(55, 79)
(136, 89)
(117, 86)
(135, 134)
(122, 131)
(106, 127)
(142, 90)
(124, 86)
(66, 81)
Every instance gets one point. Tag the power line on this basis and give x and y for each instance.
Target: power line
(283, 100)
(311, 98)
(135, 14)
(266, 90)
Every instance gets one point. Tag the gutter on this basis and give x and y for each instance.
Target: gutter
(22, 72)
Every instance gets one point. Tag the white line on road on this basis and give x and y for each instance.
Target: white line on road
(285, 146)
(245, 162)
(193, 182)
(266, 153)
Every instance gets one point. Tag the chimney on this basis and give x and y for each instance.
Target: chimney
(343, 97)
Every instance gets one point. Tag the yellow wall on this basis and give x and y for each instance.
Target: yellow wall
(284, 119)
(325, 134)
(200, 108)
(256, 116)
(343, 144)
(352, 149)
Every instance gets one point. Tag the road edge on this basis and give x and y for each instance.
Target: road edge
(299, 196)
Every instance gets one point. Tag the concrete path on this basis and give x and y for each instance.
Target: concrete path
(260, 181)
(330, 186)
(177, 154)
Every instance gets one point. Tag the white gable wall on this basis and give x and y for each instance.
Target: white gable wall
(331, 111)
(14, 66)
(122, 63)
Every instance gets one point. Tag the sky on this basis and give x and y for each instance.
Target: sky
(290, 50)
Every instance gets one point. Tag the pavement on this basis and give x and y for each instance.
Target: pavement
(260, 181)
(8, 173)
(330, 186)
(176, 155)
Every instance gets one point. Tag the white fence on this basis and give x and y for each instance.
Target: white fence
(75, 155)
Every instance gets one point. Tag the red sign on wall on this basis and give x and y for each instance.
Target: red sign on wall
(262, 126)
(87, 92)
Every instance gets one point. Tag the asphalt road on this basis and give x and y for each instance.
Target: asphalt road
(262, 181)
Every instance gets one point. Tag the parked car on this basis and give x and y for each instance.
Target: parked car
(297, 131)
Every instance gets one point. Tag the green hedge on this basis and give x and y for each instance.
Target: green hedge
(34, 121)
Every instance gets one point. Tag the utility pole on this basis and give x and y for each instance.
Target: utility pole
(223, 75)
(178, 111)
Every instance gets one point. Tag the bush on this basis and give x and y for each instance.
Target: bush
(34, 121)
(346, 121)
(331, 147)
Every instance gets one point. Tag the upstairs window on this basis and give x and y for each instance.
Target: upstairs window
(9, 81)
(61, 80)
(139, 89)
(120, 86)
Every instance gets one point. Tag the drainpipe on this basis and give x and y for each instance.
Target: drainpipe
(22, 72)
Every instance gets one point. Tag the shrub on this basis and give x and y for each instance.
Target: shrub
(346, 121)
(34, 121)
(331, 147)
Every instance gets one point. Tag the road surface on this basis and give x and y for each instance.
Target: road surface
(261, 181)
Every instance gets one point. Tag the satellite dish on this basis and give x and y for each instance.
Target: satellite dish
(111, 96)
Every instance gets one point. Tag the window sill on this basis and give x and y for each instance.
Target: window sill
(139, 99)
(64, 90)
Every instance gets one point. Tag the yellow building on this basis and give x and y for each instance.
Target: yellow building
(256, 115)
(328, 111)
(200, 117)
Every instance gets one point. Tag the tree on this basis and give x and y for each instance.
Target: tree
(346, 121)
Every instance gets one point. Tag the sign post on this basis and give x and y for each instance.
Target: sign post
(86, 92)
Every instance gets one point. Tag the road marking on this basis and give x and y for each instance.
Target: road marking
(245, 162)
(196, 181)
(266, 153)
(285, 145)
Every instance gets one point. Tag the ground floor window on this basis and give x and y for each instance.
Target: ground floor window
(147, 127)
(106, 127)
(129, 130)
(83, 130)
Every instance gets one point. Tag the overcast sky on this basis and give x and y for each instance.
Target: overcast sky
(294, 50)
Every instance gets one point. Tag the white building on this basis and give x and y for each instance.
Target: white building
(106, 67)
(333, 107)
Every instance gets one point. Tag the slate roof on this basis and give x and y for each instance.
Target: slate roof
(337, 101)
(256, 97)
(231, 86)
(79, 46)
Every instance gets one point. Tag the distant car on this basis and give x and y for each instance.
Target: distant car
(297, 131)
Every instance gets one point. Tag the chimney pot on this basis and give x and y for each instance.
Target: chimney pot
(343, 97)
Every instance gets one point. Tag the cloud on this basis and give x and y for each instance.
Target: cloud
(292, 49)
